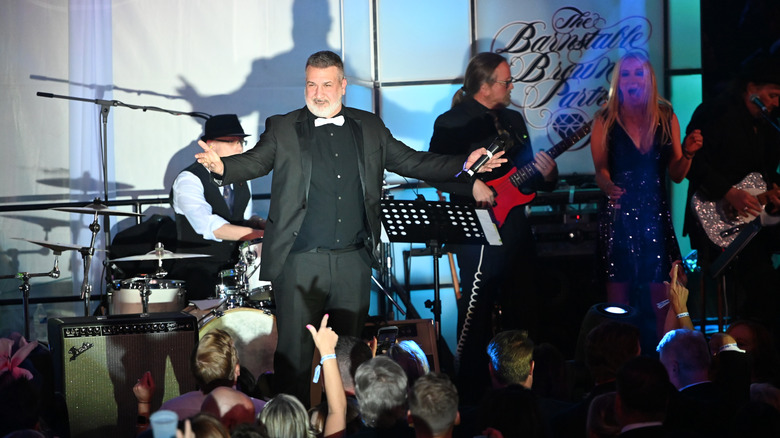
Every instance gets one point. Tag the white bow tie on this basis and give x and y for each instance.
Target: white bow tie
(338, 121)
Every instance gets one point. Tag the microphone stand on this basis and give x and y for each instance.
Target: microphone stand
(769, 119)
(105, 107)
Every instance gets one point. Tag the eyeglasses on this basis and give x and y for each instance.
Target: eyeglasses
(506, 83)
(234, 140)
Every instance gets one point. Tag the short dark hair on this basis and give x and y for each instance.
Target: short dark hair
(511, 353)
(643, 387)
(325, 59)
(608, 346)
(434, 403)
(350, 351)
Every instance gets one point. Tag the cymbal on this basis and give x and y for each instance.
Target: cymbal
(158, 255)
(56, 247)
(97, 209)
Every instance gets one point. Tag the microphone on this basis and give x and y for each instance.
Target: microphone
(495, 146)
(42, 94)
(757, 102)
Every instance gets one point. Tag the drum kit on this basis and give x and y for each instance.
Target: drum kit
(242, 304)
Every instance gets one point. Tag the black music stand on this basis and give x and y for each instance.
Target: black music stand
(435, 223)
(744, 237)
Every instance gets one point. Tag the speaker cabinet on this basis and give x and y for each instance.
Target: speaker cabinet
(98, 359)
(421, 331)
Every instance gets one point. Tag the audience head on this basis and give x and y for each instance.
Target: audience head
(643, 391)
(351, 351)
(433, 405)
(513, 411)
(756, 339)
(608, 346)
(19, 404)
(412, 359)
(230, 406)
(685, 355)
(205, 425)
(550, 376)
(215, 361)
(249, 430)
(381, 388)
(285, 417)
(602, 422)
(511, 358)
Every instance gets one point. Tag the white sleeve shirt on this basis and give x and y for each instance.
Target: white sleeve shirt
(188, 200)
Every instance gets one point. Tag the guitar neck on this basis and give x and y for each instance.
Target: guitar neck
(525, 173)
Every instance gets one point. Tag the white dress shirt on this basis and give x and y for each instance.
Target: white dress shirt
(189, 201)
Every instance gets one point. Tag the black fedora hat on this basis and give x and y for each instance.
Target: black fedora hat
(223, 125)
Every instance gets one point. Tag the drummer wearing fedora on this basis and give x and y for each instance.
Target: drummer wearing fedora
(211, 219)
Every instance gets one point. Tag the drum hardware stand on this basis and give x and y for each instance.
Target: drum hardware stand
(747, 234)
(24, 288)
(437, 223)
(96, 209)
(86, 255)
(105, 107)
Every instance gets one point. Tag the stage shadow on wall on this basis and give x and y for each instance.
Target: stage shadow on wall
(274, 85)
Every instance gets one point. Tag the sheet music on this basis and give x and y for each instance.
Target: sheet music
(490, 228)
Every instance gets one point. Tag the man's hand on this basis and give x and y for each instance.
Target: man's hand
(492, 163)
(546, 165)
(483, 194)
(209, 159)
(693, 142)
(743, 202)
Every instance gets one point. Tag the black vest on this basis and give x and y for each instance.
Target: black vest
(189, 241)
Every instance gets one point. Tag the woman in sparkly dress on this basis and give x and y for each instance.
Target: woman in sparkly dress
(634, 141)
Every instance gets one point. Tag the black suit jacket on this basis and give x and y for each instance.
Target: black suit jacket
(283, 148)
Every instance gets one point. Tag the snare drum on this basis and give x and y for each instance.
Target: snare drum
(253, 332)
(164, 296)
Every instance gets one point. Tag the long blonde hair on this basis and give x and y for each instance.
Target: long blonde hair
(657, 109)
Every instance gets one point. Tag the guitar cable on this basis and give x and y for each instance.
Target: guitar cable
(470, 310)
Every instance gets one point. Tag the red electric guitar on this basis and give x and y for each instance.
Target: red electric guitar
(507, 188)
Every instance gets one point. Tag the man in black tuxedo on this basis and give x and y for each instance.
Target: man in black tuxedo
(322, 233)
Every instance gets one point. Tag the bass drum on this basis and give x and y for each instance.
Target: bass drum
(164, 296)
(253, 332)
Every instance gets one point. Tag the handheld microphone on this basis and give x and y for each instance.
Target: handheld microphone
(495, 146)
(757, 102)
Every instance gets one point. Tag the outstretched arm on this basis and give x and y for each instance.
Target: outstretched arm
(325, 339)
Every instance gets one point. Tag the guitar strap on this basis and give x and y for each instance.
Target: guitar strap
(509, 139)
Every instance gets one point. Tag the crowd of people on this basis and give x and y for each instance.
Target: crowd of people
(321, 240)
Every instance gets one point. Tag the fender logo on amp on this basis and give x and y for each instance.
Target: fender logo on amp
(76, 352)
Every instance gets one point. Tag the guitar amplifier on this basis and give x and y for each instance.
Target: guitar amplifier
(98, 359)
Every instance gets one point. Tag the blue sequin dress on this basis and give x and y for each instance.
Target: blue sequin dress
(637, 243)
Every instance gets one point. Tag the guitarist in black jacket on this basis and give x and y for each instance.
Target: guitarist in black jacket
(479, 114)
(738, 141)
